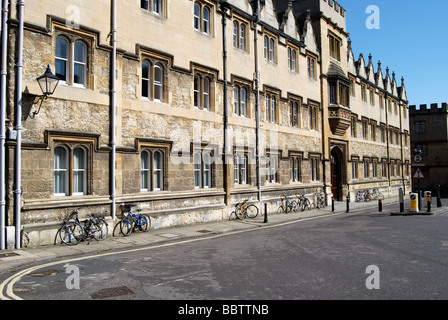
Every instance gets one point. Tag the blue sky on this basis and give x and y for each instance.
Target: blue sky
(412, 41)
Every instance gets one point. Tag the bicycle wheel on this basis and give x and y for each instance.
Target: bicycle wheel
(294, 206)
(252, 211)
(306, 204)
(100, 229)
(280, 209)
(126, 225)
(241, 213)
(144, 223)
(71, 233)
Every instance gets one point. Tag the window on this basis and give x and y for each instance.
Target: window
(344, 99)
(269, 49)
(365, 129)
(151, 170)
(271, 168)
(271, 108)
(420, 127)
(311, 68)
(240, 101)
(61, 58)
(295, 169)
(313, 118)
(201, 20)
(333, 93)
(71, 61)
(202, 92)
(373, 131)
(239, 35)
(352, 87)
(240, 169)
(353, 127)
(154, 6)
(292, 59)
(70, 171)
(202, 170)
(363, 93)
(384, 169)
(366, 169)
(314, 167)
(335, 48)
(372, 97)
(354, 169)
(294, 114)
(152, 81)
(374, 169)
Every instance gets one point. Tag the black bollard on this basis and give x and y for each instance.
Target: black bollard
(348, 204)
(265, 213)
(428, 201)
(380, 205)
(332, 204)
(439, 201)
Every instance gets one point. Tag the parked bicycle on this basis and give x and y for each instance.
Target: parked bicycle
(319, 200)
(303, 202)
(73, 231)
(244, 210)
(363, 195)
(287, 205)
(131, 221)
(376, 194)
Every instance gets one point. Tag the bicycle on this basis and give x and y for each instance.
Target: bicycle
(73, 232)
(319, 201)
(376, 194)
(287, 205)
(304, 202)
(363, 196)
(131, 221)
(244, 210)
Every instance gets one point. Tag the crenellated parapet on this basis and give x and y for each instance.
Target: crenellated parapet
(424, 109)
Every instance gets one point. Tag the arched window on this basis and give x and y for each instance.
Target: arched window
(236, 170)
(61, 58)
(202, 18)
(205, 20)
(60, 171)
(79, 171)
(158, 170)
(151, 170)
(207, 170)
(80, 63)
(197, 170)
(146, 80)
(145, 171)
(158, 83)
(197, 16)
(197, 92)
(70, 171)
(206, 94)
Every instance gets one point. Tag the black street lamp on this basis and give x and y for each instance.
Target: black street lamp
(47, 83)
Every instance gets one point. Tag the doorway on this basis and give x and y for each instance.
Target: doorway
(337, 160)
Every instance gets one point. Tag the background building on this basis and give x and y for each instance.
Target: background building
(172, 124)
(429, 136)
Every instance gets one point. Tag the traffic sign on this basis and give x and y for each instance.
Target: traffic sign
(418, 158)
(418, 174)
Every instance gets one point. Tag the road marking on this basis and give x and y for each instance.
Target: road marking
(7, 285)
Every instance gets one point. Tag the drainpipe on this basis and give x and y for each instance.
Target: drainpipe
(113, 107)
(224, 7)
(386, 108)
(18, 127)
(4, 73)
(257, 100)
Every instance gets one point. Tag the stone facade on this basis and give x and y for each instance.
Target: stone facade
(170, 107)
(429, 135)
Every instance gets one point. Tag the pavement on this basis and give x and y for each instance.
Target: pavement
(12, 259)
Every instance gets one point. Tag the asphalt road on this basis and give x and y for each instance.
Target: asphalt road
(336, 257)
